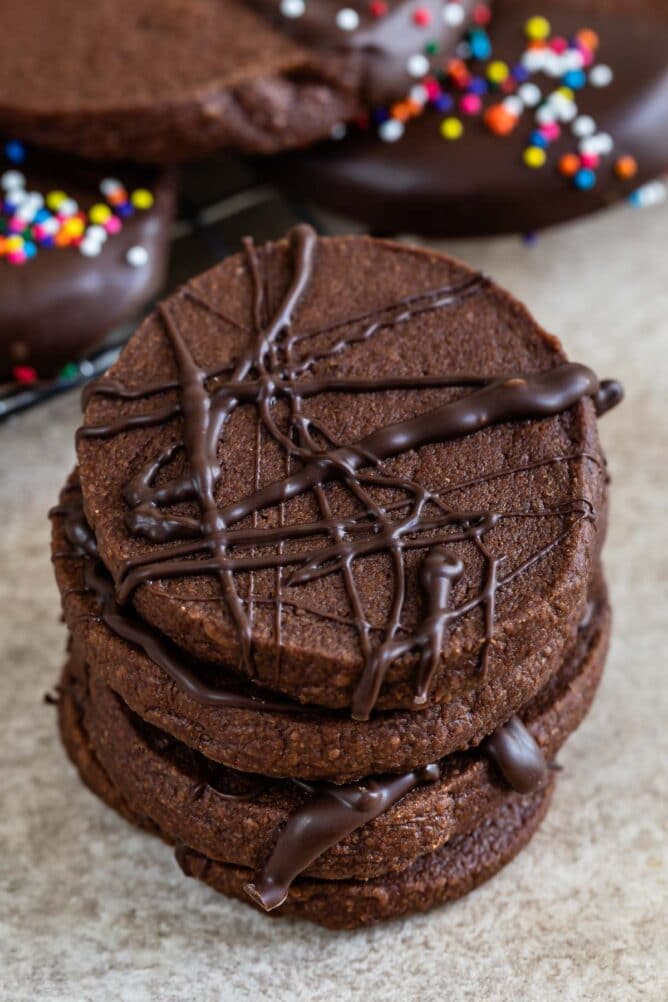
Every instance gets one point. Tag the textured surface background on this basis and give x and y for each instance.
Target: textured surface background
(91, 910)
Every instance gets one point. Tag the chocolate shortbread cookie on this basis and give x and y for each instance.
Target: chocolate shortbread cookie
(234, 817)
(83, 247)
(243, 727)
(454, 869)
(324, 457)
(547, 119)
(164, 80)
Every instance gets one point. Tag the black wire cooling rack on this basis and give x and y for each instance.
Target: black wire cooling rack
(219, 203)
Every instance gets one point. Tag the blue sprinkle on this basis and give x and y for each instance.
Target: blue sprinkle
(41, 215)
(126, 209)
(477, 85)
(575, 79)
(538, 139)
(585, 179)
(47, 242)
(481, 47)
(15, 151)
(520, 73)
(444, 102)
(379, 115)
(530, 239)
(29, 248)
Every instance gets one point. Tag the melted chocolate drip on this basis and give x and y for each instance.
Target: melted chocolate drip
(609, 394)
(517, 756)
(270, 368)
(331, 813)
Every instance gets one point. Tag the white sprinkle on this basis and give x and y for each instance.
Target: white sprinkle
(292, 8)
(533, 60)
(530, 94)
(453, 14)
(86, 368)
(137, 256)
(111, 184)
(96, 234)
(12, 179)
(68, 207)
(513, 105)
(552, 65)
(546, 115)
(600, 76)
(600, 144)
(572, 59)
(50, 226)
(649, 194)
(338, 131)
(584, 125)
(89, 249)
(419, 94)
(418, 65)
(347, 19)
(391, 130)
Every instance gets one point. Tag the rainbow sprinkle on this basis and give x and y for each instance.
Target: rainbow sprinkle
(476, 85)
(32, 221)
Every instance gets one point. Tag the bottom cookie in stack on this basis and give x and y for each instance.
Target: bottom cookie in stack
(343, 856)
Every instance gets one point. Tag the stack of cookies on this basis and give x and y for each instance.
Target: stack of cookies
(330, 567)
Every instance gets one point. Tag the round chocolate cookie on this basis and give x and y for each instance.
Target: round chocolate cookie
(444, 875)
(83, 247)
(356, 473)
(234, 817)
(164, 80)
(540, 124)
(246, 729)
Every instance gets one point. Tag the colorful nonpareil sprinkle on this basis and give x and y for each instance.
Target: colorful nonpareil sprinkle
(476, 84)
(33, 221)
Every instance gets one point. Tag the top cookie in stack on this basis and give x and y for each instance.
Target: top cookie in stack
(340, 512)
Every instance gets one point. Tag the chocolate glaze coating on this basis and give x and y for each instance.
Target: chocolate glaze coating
(478, 185)
(58, 305)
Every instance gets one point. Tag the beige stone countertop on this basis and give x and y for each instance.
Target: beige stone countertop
(93, 910)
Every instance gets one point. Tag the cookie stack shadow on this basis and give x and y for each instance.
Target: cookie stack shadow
(296, 807)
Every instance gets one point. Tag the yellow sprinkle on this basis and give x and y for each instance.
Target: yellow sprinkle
(537, 28)
(74, 226)
(14, 243)
(451, 128)
(141, 198)
(497, 71)
(99, 214)
(534, 156)
(55, 199)
(566, 92)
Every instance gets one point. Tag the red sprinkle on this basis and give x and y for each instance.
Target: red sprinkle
(24, 374)
(482, 15)
(422, 17)
(378, 8)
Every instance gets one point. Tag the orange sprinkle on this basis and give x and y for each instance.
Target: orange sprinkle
(569, 164)
(588, 38)
(499, 120)
(626, 168)
(62, 238)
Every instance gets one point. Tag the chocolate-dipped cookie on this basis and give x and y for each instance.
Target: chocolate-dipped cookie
(546, 119)
(83, 247)
(164, 80)
(356, 473)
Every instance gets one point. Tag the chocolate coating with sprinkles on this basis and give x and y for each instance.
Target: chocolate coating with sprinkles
(68, 233)
(517, 167)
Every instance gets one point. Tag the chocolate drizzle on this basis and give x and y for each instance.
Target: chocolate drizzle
(517, 756)
(270, 369)
(331, 813)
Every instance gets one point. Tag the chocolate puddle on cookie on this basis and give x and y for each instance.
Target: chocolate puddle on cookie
(271, 368)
